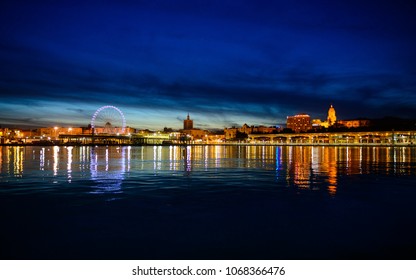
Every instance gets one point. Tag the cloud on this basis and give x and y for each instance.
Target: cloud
(272, 96)
(248, 62)
(23, 122)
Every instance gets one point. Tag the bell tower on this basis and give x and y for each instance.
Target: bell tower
(188, 123)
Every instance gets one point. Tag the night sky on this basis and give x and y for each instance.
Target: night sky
(225, 62)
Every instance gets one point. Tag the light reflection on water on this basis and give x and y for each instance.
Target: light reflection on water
(302, 167)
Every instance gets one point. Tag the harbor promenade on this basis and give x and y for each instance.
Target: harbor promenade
(373, 138)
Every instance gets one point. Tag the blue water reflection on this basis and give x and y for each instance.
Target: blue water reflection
(207, 202)
(108, 167)
(304, 167)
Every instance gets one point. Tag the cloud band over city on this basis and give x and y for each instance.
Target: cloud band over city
(225, 63)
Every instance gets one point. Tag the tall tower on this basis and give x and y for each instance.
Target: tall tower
(188, 123)
(332, 118)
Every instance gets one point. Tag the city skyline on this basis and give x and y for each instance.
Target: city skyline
(224, 63)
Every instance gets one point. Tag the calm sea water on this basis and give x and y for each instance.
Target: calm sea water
(208, 202)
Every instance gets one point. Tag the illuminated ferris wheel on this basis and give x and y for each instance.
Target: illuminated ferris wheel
(108, 120)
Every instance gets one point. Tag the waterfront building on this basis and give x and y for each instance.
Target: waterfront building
(193, 133)
(54, 132)
(2, 132)
(354, 123)
(317, 123)
(232, 133)
(299, 123)
(16, 136)
(4, 135)
(263, 129)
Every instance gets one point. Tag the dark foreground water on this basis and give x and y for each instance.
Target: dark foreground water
(207, 202)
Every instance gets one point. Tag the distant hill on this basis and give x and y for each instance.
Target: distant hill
(390, 123)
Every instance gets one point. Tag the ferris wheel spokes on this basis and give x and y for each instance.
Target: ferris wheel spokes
(108, 120)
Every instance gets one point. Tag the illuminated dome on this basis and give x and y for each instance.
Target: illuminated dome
(332, 118)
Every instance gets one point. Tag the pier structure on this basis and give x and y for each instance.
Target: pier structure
(357, 138)
(103, 139)
(387, 138)
(327, 138)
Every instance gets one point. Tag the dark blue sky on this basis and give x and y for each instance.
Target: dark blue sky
(225, 62)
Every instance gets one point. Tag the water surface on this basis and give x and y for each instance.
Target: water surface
(207, 202)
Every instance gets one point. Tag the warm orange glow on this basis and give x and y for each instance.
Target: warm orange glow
(332, 190)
